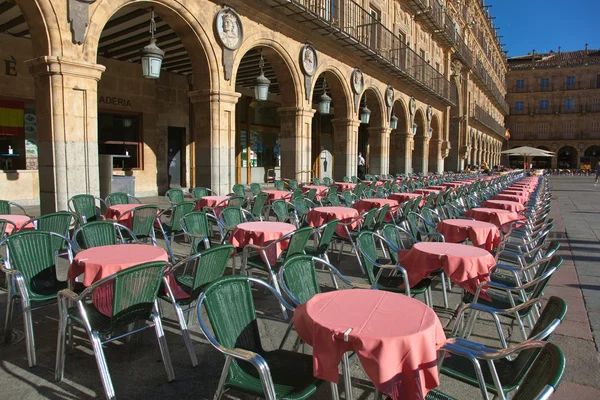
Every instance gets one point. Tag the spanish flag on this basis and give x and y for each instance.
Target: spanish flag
(11, 118)
(507, 134)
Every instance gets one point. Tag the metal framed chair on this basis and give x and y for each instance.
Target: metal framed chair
(199, 192)
(279, 185)
(249, 368)
(143, 220)
(121, 198)
(5, 207)
(169, 223)
(365, 221)
(86, 209)
(325, 234)
(7, 227)
(258, 205)
(196, 226)
(30, 267)
(230, 217)
(134, 294)
(101, 233)
(238, 190)
(285, 212)
(206, 266)
(175, 196)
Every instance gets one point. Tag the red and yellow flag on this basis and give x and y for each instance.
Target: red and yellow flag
(507, 134)
(11, 118)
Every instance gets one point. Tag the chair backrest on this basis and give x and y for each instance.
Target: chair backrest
(299, 278)
(236, 201)
(143, 220)
(332, 189)
(259, 203)
(58, 222)
(280, 185)
(199, 192)
(381, 214)
(327, 181)
(239, 190)
(368, 193)
(281, 208)
(398, 237)
(4, 207)
(209, 265)
(297, 193)
(368, 251)
(303, 205)
(298, 241)
(294, 184)
(175, 196)
(33, 254)
(134, 293)
(117, 198)
(255, 188)
(348, 197)
(96, 234)
(196, 223)
(311, 194)
(177, 212)
(232, 216)
(316, 181)
(368, 222)
(334, 199)
(7, 227)
(327, 230)
(346, 179)
(555, 309)
(544, 376)
(84, 205)
(431, 215)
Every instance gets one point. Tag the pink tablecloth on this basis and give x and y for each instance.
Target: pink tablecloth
(481, 234)
(321, 190)
(100, 262)
(454, 184)
(277, 195)
(510, 197)
(18, 220)
(467, 266)
(365, 205)
(211, 202)
(402, 197)
(500, 218)
(516, 192)
(522, 188)
(426, 191)
(321, 215)
(504, 205)
(345, 186)
(395, 337)
(439, 188)
(115, 212)
(261, 234)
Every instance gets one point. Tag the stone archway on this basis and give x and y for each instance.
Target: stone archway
(401, 140)
(373, 137)
(542, 162)
(567, 157)
(419, 157)
(436, 162)
(592, 156)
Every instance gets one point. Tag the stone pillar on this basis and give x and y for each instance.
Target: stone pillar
(379, 162)
(214, 139)
(436, 162)
(345, 147)
(474, 153)
(66, 95)
(408, 144)
(295, 142)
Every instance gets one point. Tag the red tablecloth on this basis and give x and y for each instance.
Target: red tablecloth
(277, 195)
(500, 218)
(481, 234)
(504, 205)
(516, 192)
(439, 188)
(522, 188)
(321, 190)
(454, 184)
(210, 201)
(510, 197)
(426, 191)
(18, 220)
(100, 262)
(402, 197)
(345, 186)
(467, 266)
(115, 212)
(261, 234)
(321, 215)
(365, 205)
(395, 337)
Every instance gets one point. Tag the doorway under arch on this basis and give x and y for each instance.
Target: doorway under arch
(419, 161)
(398, 139)
(567, 157)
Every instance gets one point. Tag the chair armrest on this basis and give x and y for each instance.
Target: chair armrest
(69, 294)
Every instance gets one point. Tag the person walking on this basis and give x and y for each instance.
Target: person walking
(361, 166)
(597, 174)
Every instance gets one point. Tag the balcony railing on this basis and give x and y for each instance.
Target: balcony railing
(347, 21)
(480, 115)
(488, 83)
(537, 87)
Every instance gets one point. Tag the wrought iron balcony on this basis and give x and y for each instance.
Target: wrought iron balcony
(349, 23)
(490, 86)
(481, 116)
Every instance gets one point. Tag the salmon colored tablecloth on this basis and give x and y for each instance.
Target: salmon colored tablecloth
(500, 218)
(402, 197)
(395, 337)
(261, 234)
(365, 205)
(467, 266)
(18, 220)
(513, 206)
(426, 192)
(277, 195)
(516, 192)
(115, 212)
(454, 184)
(211, 202)
(322, 215)
(511, 197)
(345, 186)
(100, 262)
(481, 234)
(440, 188)
(521, 188)
(321, 190)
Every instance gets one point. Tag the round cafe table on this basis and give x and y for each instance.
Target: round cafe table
(440, 188)
(402, 197)
(481, 234)
(18, 220)
(426, 192)
(521, 188)
(513, 206)
(510, 197)
(100, 262)
(365, 205)
(261, 234)
(454, 185)
(273, 195)
(500, 218)
(210, 202)
(322, 215)
(395, 337)
(115, 212)
(516, 192)
(345, 186)
(321, 190)
(467, 266)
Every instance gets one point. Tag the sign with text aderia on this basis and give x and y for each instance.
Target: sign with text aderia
(114, 101)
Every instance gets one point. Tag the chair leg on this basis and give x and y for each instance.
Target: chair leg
(186, 334)
(335, 395)
(29, 339)
(164, 349)
(347, 381)
(10, 308)
(278, 290)
(223, 378)
(287, 333)
(444, 290)
(109, 390)
(59, 369)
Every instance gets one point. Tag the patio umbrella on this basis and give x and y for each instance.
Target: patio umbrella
(527, 151)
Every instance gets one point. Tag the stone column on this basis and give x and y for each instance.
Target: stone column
(345, 147)
(214, 139)
(67, 129)
(474, 152)
(379, 162)
(436, 161)
(295, 142)
(408, 144)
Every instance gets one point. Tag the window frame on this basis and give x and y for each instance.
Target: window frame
(140, 143)
(25, 101)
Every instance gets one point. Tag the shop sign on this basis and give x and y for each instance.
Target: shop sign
(115, 101)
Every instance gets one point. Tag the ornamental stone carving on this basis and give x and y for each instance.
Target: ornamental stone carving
(78, 17)
(230, 35)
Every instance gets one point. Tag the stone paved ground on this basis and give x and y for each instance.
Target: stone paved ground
(138, 374)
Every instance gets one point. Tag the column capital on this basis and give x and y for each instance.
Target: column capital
(343, 122)
(52, 65)
(296, 112)
(379, 129)
(406, 135)
(214, 96)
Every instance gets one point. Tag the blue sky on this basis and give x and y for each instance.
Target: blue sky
(544, 25)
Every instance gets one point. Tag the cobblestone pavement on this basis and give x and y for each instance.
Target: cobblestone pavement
(137, 372)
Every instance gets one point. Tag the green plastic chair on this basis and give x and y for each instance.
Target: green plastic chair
(206, 266)
(349, 197)
(327, 181)
(249, 368)
(256, 189)
(398, 238)
(175, 196)
(84, 206)
(197, 228)
(169, 223)
(199, 192)
(5, 207)
(348, 235)
(231, 217)
(59, 222)
(346, 179)
(258, 205)
(397, 276)
(333, 199)
(30, 268)
(303, 206)
(311, 194)
(134, 293)
(316, 181)
(293, 183)
(101, 233)
(7, 227)
(143, 220)
(325, 233)
(121, 198)
(279, 185)
(239, 190)
(284, 212)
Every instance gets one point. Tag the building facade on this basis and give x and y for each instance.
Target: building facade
(555, 105)
(431, 73)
